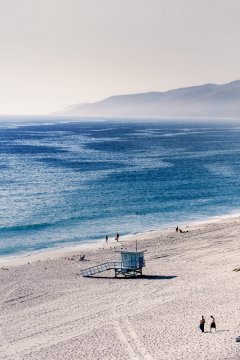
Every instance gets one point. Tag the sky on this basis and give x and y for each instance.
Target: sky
(56, 53)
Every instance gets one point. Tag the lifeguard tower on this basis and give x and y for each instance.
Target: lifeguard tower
(131, 264)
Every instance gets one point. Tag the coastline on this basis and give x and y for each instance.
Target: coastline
(58, 252)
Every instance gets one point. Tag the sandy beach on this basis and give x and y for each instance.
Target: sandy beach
(49, 311)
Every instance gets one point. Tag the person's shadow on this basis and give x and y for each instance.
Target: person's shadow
(217, 331)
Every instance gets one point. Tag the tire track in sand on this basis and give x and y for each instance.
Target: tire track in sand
(127, 335)
(7, 352)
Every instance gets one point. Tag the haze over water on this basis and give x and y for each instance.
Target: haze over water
(66, 183)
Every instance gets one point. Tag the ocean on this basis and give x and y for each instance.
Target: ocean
(67, 183)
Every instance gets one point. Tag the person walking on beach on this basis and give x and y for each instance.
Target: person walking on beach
(106, 238)
(202, 323)
(117, 237)
(213, 324)
(177, 229)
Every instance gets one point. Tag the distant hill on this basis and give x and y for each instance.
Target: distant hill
(209, 100)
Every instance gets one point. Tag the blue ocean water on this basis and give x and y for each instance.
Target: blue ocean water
(66, 183)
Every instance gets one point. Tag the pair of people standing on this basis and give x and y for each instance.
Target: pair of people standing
(117, 237)
(212, 325)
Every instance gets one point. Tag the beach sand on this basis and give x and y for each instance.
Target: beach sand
(49, 311)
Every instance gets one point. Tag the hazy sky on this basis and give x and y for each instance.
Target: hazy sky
(56, 53)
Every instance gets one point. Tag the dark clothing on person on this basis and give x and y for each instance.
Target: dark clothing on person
(213, 325)
(202, 323)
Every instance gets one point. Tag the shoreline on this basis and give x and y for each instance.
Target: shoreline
(59, 252)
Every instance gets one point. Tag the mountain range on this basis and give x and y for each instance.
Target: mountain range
(209, 100)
